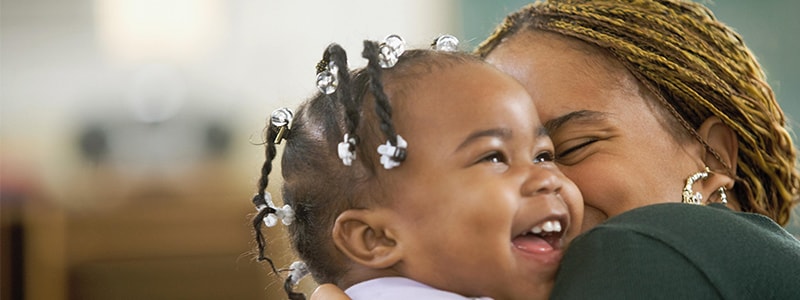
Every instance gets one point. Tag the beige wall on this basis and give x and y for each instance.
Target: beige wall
(159, 213)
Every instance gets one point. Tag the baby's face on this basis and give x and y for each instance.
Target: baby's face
(479, 206)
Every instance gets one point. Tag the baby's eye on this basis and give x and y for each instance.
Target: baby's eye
(494, 157)
(544, 156)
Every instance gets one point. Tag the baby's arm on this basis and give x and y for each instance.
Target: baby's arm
(328, 292)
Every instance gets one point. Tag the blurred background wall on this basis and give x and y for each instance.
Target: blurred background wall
(128, 128)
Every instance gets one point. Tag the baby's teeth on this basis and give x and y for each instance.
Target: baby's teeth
(548, 226)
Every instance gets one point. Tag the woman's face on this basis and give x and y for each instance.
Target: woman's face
(609, 135)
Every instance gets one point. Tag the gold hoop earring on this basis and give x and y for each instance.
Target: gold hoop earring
(689, 196)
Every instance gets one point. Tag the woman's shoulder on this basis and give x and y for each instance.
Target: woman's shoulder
(665, 246)
(710, 236)
(685, 223)
(681, 213)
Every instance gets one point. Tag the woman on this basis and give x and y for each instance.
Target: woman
(633, 111)
(640, 97)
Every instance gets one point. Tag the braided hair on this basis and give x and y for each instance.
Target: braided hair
(698, 68)
(316, 183)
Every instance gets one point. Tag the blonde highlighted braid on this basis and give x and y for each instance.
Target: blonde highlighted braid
(698, 68)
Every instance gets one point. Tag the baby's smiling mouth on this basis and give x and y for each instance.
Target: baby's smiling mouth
(543, 237)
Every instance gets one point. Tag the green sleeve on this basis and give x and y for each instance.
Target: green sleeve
(616, 263)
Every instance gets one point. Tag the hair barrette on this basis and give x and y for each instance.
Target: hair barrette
(446, 42)
(347, 150)
(328, 79)
(281, 118)
(392, 47)
(285, 213)
(392, 156)
(298, 270)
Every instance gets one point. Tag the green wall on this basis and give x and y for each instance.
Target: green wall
(770, 28)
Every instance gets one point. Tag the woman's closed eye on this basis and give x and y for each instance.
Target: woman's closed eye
(573, 149)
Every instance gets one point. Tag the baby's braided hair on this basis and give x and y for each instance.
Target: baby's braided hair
(328, 107)
(382, 107)
(698, 68)
(316, 183)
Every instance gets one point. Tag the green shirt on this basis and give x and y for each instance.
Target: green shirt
(682, 251)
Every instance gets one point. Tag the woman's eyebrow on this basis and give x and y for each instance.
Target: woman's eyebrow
(575, 116)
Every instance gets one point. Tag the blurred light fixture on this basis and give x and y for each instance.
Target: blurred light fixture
(172, 31)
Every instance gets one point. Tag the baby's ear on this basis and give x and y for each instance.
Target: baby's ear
(362, 235)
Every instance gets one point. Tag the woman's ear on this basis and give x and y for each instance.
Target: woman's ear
(724, 141)
(362, 236)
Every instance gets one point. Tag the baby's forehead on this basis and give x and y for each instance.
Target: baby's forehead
(419, 83)
(417, 67)
(467, 89)
(436, 71)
